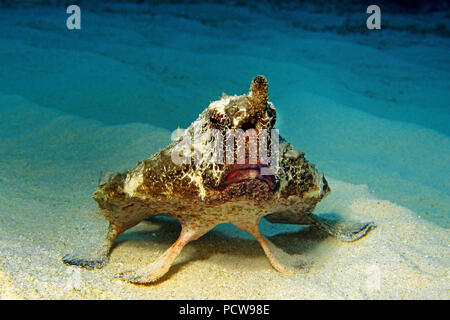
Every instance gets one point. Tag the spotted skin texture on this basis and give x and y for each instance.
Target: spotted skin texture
(202, 194)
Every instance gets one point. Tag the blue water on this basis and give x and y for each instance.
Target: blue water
(369, 107)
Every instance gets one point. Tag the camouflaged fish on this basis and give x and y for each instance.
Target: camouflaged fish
(201, 193)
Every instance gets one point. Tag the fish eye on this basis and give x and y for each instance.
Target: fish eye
(213, 120)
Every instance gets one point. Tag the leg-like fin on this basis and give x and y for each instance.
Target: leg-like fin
(161, 266)
(344, 230)
(99, 257)
(279, 259)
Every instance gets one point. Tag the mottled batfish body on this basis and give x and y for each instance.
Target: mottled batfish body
(228, 166)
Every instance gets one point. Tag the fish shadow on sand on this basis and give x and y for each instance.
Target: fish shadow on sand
(226, 240)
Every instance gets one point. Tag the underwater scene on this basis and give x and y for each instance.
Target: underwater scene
(116, 180)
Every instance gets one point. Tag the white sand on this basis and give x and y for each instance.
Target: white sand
(46, 210)
(50, 157)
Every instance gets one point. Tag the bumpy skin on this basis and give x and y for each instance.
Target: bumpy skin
(202, 194)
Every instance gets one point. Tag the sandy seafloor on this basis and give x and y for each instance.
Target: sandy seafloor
(370, 109)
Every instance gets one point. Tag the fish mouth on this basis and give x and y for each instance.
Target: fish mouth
(240, 173)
